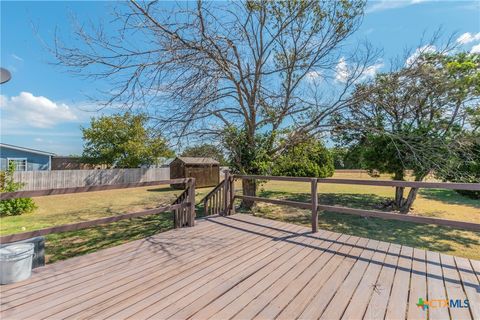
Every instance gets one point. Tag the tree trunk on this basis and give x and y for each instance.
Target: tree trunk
(407, 203)
(249, 188)
(399, 200)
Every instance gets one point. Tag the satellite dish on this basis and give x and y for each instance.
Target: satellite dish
(4, 75)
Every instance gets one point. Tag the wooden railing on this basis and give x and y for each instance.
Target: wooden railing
(184, 216)
(314, 206)
(183, 207)
(220, 199)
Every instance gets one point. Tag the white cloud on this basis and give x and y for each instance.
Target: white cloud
(418, 52)
(390, 4)
(34, 111)
(372, 70)
(341, 70)
(475, 49)
(342, 73)
(313, 75)
(468, 37)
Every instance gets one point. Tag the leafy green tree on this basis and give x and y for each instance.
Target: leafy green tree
(244, 159)
(122, 141)
(307, 159)
(13, 207)
(347, 158)
(207, 151)
(414, 118)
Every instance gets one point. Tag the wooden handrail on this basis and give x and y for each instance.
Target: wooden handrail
(405, 184)
(213, 201)
(295, 204)
(183, 207)
(277, 178)
(370, 213)
(208, 195)
(88, 224)
(314, 206)
(403, 217)
(220, 199)
(381, 183)
(185, 216)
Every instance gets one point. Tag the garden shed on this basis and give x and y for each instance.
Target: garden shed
(206, 171)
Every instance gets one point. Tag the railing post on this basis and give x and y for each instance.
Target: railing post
(191, 199)
(176, 222)
(226, 198)
(205, 207)
(232, 195)
(314, 205)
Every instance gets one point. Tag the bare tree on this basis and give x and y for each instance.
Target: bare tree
(251, 66)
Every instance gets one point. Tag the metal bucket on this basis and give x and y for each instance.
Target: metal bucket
(16, 262)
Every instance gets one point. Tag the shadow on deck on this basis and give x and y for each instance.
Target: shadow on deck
(246, 267)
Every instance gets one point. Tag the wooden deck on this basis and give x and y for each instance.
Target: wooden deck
(245, 267)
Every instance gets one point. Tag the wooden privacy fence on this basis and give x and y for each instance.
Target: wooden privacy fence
(183, 207)
(220, 200)
(56, 179)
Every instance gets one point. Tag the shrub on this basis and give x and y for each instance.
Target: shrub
(308, 159)
(13, 207)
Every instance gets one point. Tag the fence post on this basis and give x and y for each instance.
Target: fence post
(205, 207)
(226, 198)
(191, 198)
(314, 205)
(232, 195)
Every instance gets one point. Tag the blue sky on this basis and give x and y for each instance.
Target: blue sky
(43, 106)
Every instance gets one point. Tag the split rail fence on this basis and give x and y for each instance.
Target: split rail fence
(221, 199)
(183, 207)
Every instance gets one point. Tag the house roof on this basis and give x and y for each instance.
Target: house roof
(11, 146)
(194, 160)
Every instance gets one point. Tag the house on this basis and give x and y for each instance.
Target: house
(25, 159)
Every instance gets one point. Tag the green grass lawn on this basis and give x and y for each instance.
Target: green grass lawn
(446, 204)
(71, 208)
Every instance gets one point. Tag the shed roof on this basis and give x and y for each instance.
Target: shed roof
(11, 146)
(194, 160)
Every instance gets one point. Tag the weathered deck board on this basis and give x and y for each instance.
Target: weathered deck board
(243, 267)
(359, 301)
(453, 285)
(295, 308)
(435, 285)
(342, 291)
(278, 303)
(398, 301)
(418, 286)
(470, 284)
(377, 307)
